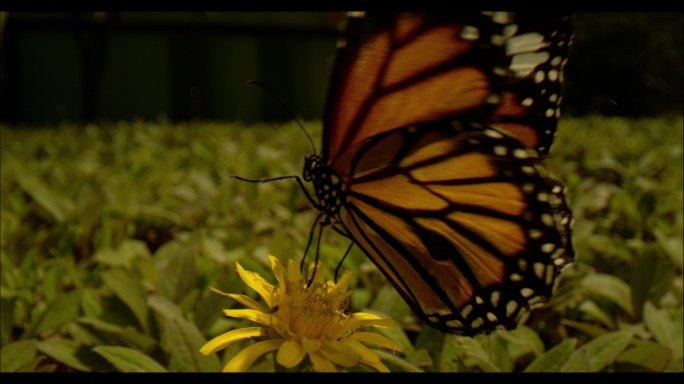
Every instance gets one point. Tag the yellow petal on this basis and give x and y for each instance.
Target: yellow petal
(351, 346)
(376, 339)
(216, 291)
(244, 359)
(250, 314)
(364, 319)
(320, 363)
(222, 341)
(343, 283)
(247, 302)
(377, 365)
(278, 271)
(293, 274)
(257, 283)
(317, 269)
(338, 356)
(310, 345)
(283, 312)
(290, 354)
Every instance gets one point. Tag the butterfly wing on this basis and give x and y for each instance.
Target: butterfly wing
(395, 70)
(430, 128)
(461, 220)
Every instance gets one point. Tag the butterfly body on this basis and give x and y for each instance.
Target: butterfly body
(434, 133)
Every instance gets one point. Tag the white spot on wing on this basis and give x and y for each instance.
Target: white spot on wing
(494, 298)
(500, 150)
(548, 247)
(553, 75)
(502, 17)
(494, 134)
(470, 33)
(520, 153)
(528, 42)
(477, 323)
(511, 306)
(466, 310)
(523, 64)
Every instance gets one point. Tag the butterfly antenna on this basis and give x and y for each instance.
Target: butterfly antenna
(288, 110)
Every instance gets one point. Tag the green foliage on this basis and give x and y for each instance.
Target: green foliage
(110, 237)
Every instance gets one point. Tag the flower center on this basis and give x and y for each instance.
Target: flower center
(315, 312)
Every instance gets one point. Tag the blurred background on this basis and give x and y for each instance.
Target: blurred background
(84, 67)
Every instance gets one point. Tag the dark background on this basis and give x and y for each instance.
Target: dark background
(91, 67)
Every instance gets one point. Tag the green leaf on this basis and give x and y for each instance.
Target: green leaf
(124, 255)
(430, 341)
(128, 360)
(32, 366)
(597, 354)
(594, 312)
(214, 249)
(398, 335)
(554, 359)
(176, 265)
(673, 246)
(62, 310)
(13, 356)
(659, 323)
(651, 356)
(6, 319)
(470, 352)
(497, 351)
(83, 335)
(396, 363)
(612, 288)
(419, 358)
(128, 335)
(521, 341)
(127, 287)
(60, 207)
(72, 354)
(91, 303)
(181, 339)
(651, 277)
(586, 328)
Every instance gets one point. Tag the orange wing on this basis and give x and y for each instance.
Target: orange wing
(461, 220)
(397, 70)
(433, 132)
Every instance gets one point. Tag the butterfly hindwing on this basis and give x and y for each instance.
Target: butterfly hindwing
(460, 219)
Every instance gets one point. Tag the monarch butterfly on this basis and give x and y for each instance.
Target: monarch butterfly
(434, 129)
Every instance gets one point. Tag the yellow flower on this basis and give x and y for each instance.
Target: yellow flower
(299, 320)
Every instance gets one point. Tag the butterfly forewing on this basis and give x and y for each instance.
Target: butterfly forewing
(397, 70)
(536, 51)
(404, 62)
